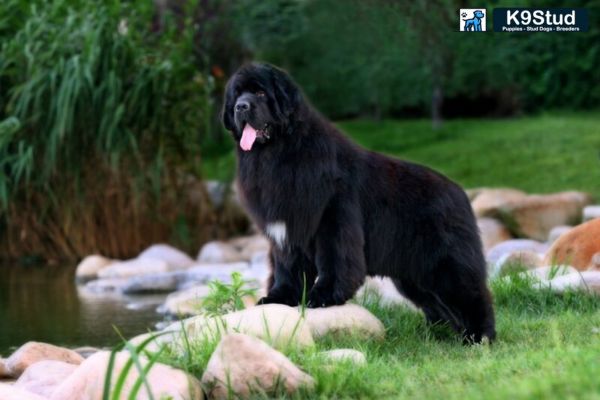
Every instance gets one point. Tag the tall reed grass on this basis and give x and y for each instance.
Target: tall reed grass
(100, 128)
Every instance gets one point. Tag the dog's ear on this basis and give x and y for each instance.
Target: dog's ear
(228, 103)
(287, 96)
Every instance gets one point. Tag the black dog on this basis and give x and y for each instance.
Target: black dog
(336, 213)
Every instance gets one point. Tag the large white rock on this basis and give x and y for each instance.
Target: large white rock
(10, 392)
(348, 319)
(588, 281)
(512, 246)
(87, 381)
(591, 212)
(383, 291)
(523, 260)
(106, 285)
(248, 246)
(185, 302)
(153, 283)
(557, 232)
(487, 200)
(134, 267)
(202, 273)
(245, 365)
(89, 267)
(43, 377)
(219, 252)
(492, 232)
(32, 352)
(548, 272)
(176, 259)
(345, 355)
(282, 326)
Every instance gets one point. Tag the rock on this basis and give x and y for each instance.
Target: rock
(153, 283)
(32, 352)
(591, 212)
(219, 253)
(106, 285)
(517, 261)
(512, 246)
(175, 259)
(4, 372)
(557, 232)
(595, 264)
(134, 267)
(577, 247)
(185, 302)
(86, 351)
(202, 273)
(89, 267)
(10, 392)
(535, 215)
(549, 272)
(492, 232)
(488, 200)
(345, 355)
(44, 376)
(216, 191)
(282, 326)
(588, 281)
(250, 245)
(383, 291)
(348, 319)
(87, 382)
(245, 365)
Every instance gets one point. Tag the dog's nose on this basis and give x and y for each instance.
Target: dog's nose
(242, 105)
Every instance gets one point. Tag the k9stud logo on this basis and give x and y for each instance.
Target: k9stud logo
(472, 19)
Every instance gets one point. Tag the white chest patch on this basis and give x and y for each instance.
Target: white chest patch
(278, 232)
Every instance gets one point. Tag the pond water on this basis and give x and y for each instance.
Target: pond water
(45, 304)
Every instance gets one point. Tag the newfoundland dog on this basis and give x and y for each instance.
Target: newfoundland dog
(335, 212)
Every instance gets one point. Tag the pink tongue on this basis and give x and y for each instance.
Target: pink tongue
(248, 138)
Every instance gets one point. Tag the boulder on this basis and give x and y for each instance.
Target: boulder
(282, 326)
(591, 212)
(488, 200)
(89, 267)
(549, 272)
(345, 355)
(87, 381)
(10, 392)
(512, 246)
(242, 366)
(557, 232)
(4, 372)
(588, 281)
(595, 264)
(518, 261)
(218, 252)
(106, 285)
(153, 283)
(175, 259)
(44, 376)
(535, 215)
(202, 273)
(492, 232)
(248, 246)
(134, 267)
(185, 302)
(576, 247)
(383, 291)
(32, 352)
(348, 319)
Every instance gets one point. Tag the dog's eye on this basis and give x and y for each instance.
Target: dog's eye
(260, 93)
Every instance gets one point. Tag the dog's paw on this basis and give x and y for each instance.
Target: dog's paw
(323, 297)
(277, 300)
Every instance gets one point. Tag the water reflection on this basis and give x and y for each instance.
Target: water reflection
(44, 304)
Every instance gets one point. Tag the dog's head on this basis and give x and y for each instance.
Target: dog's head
(260, 101)
(478, 14)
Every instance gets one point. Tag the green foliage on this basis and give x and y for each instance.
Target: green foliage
(85, 81)
(538, 154)
(227, 297)
(382, 58)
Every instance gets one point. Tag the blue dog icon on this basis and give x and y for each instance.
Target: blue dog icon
(474, 24)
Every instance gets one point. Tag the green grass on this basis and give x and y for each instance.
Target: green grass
(548, 346)
(538, 154)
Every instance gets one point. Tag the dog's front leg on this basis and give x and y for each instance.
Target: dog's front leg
(339, 256)
(291, 273)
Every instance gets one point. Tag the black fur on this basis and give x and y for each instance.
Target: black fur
(350, 212)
